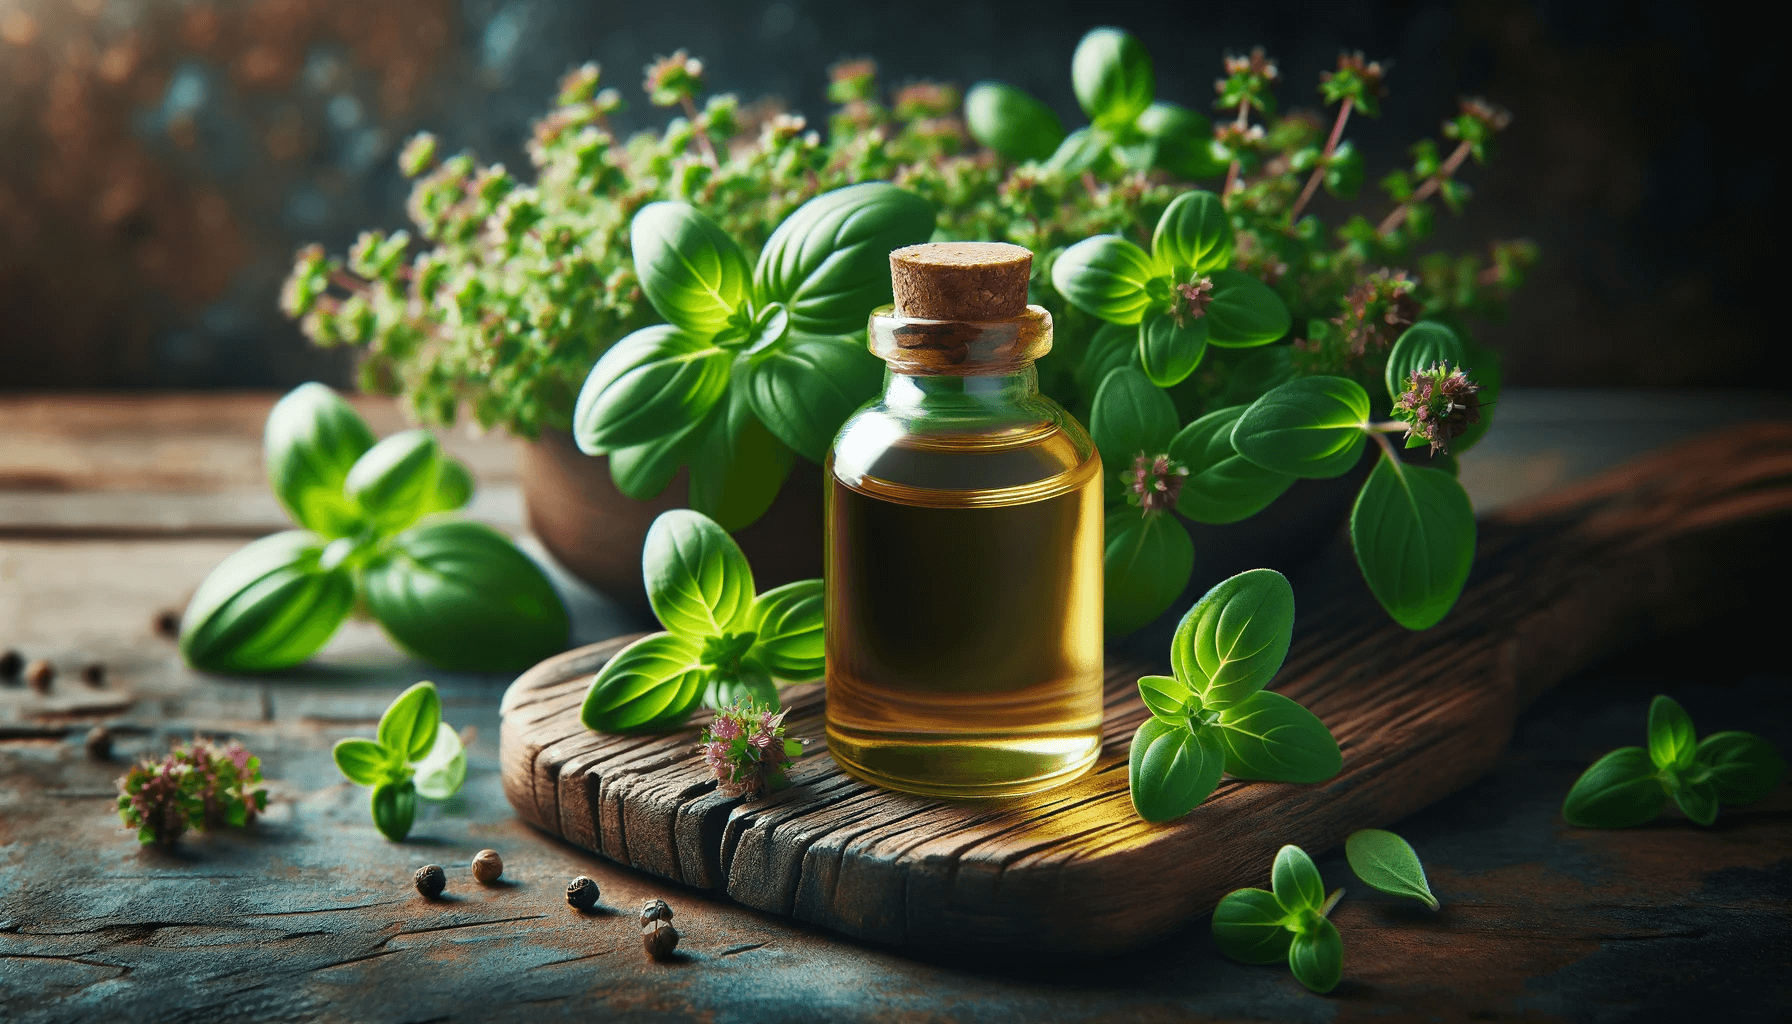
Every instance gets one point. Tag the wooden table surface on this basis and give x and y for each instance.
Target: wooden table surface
(113, 508)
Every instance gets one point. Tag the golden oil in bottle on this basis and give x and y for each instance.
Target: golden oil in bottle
(964, 520)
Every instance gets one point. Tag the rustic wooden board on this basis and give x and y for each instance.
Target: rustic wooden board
(1659, 545)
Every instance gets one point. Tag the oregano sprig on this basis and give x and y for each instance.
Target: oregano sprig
(722, 644)
(1287, 922)
(413, 756)
(1214, 714)
(1387, 862)
(1631, 785)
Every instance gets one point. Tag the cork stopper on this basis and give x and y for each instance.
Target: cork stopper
(974, 282)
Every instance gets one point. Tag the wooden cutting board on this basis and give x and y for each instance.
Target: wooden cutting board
(1658, 545)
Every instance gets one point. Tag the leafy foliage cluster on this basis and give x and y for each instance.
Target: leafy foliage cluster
(199, 785)
(414, 755)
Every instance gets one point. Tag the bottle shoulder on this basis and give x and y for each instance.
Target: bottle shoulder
(1018, 445)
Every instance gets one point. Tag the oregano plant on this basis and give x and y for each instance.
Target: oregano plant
(1213, 713)
(1288, 922)
(723, 643)
(1631, 785)
(414, 755)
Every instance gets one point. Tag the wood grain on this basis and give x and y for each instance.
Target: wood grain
(1659, 545)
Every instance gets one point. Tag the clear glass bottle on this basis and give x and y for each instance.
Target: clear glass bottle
(963, 565)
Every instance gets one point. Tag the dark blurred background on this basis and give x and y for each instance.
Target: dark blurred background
(160, 159)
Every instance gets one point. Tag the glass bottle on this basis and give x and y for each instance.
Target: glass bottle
(964, 546)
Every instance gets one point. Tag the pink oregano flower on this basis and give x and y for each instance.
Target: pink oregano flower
(746, 750)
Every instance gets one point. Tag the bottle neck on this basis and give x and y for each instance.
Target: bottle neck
(1014, 386)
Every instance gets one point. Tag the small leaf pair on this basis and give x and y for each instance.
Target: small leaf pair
(1631, 785)
(456, 594)
(1180, 294)
(723, 644)
(413, 756)
(750, 363)
(1288, 923)
(1214, 714)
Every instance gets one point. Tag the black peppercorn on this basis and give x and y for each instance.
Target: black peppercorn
(655, 910)
(430, 881)
(40, 674)
(11, 664)
(167, 624)
(99, 743)
(659, 939)
(581, 892)
(93, 674)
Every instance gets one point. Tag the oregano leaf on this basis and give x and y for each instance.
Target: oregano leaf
(1387, 862)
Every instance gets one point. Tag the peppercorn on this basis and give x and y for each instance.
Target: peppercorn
(487, 866)
(431, 880)
(167, 624)
(655, 910)
(11, 663)
(40, 674)
(93, 674)
(582, 893)
(99, 743)
(659, 939)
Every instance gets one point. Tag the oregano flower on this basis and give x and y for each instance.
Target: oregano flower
(1154, 483)
(1438, 406)
(744, 746)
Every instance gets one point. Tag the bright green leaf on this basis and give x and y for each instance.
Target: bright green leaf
(695, 276)
(1172, 769)
(1267, 736)
(1081, 150)
(1387, 862)
(651, 384)
(1131, 417)
(1619, 790)
(829, 262)
(1113, 346)
(1169, 351)
(1222, 486)
(804, 389)
(269, 605)
(1672, 743)
(1244, 312)
(397, 481)
(442, 771)
(1233, 641)
(1257, 374)
(454, 486)
(1744, 768)
(697, 580)
(1011, 122)
(1193, 237)
(362, 761)
(394, 806)
(739, 466)
(1316, 958)
(1697, 800)
(408, 728)
(1182, 141)
(1296, 881)
(1413, 531)
(1251, 925)
(1105, 276)
(311, 439)
(1145, 564)
(1311, 427)
(724, 687)
(788, 623)
(1111, 74)
(1166, 698)
(652, 683)
(642, 471)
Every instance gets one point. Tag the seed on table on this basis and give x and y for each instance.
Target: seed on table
(431, 880)
(487, 866)
(659, 939)
(93, 674)
(40, 674)
(11, 664)
(99, 743)
(166, 624)
(582, 893)
(655, 910)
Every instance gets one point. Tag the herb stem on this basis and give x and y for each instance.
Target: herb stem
(1385, 427)
(1331, 146)
(1331, 901)
(703, 143)
(1426, 189)
(1243, 122)
(1387, 447)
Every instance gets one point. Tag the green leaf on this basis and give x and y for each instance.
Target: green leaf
(1296, 881)
(739, 466)
(652, 683)
(650, 385)
(642, 471)
(1080, 151)
(1105, 276)
(397, 481)
(1131, 416)
(1311, 427)
(695, 276)
(1672, 742)
(1113, 346)
(267, 606)
(725, 687)
(1744, 767)
(1251, 925)
(1111, 74)
(697, 580)
(1317, 958)
(1621, 789)
(442, 771)
(1193, 237)
(1244, 312)
(394, 806)
(788, 622)
(829, 262)
(311, 439)
(1222, 486)
(1233, 641)
(363, 762)
(1182, 141)
(1011, 122)
(408, 728)
(1257, 374)
(1423, 346)
(1267, 736)
(461, 596)
(1387, 862)
(1485, 370)
(1172, 769)
(1413, 531)
(1145, 564)
(1168, 699)
(1697, 800)
(1168, 352)
(804, 389)
(454, 486)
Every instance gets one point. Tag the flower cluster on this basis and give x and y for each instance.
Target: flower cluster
(1372, 316)
(745, 747)
(1154, 482)
(1438, 405)
(198, 785)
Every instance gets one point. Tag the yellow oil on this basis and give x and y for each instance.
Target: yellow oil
(964, 590)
